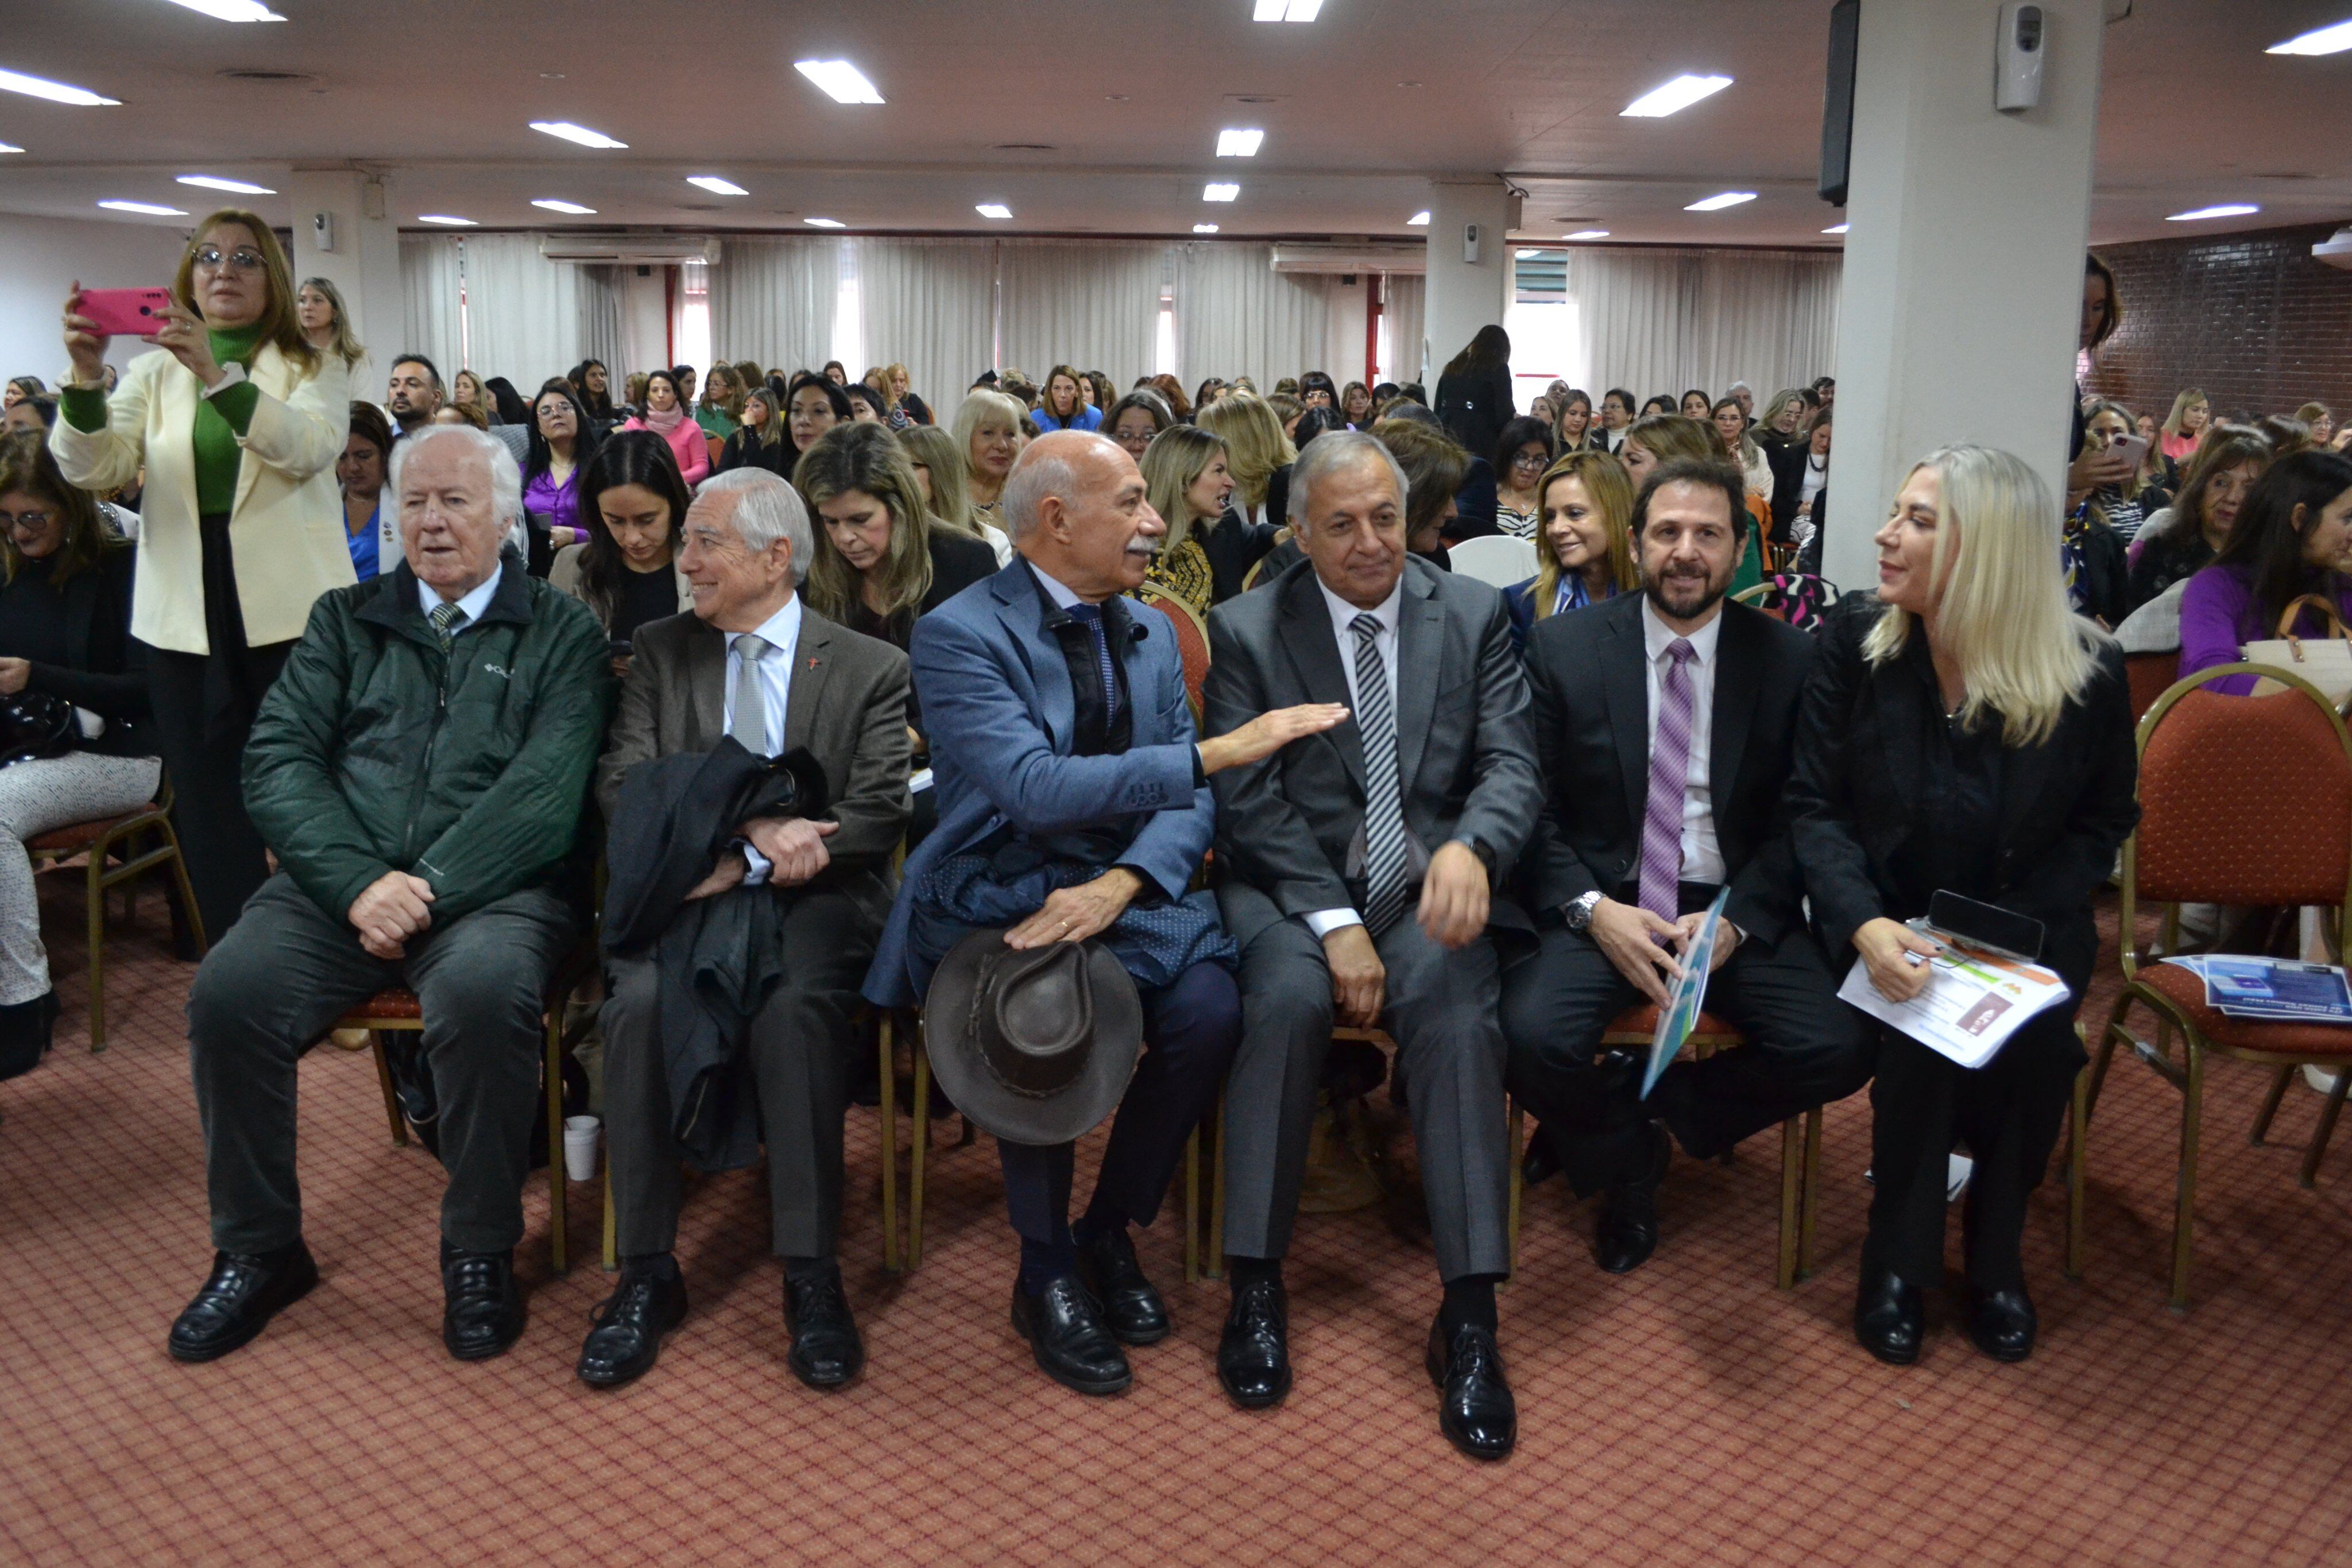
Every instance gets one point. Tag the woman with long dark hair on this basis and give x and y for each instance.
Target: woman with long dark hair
(1473, 393)
(2292, 537)
(813, 405)
(878, 562)
(361, 472)
(562, 441)
(2182, 540)
(589, 378)
(665, 415)
(759, 442)
(634, 502)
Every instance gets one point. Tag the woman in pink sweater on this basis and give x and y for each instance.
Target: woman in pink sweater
(668, 418)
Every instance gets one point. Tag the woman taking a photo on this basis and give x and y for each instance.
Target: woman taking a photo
(902, 394)
(1584, 543)
(359, 471)
(65, 615)
(1522, 453)
(722, 408)
(1965, 733)
(626, 570)
(238, 421)
(1064, 408)
(758, 442)
(562, 443)
(879, 563)
(938, 468)
(326, 325)
(987, 439)
(2182, 540)
(667, 417)
(1186, 481)
(2292, 537)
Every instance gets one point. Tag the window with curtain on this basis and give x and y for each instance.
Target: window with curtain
(1402, 313)
(1236, 316)
(522, 311)
(432, 325)
(773, 301)
(1094, 306)
(930, 305)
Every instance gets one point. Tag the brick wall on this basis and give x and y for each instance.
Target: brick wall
(2250, 319)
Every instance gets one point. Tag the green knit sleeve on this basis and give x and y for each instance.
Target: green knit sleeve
(237, 404)
(84, 408)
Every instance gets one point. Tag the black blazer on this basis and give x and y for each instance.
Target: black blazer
(1788, 463)
(1590, 702)
(2067, 805)
(777, 457)
(105, 667)
(1475, 405)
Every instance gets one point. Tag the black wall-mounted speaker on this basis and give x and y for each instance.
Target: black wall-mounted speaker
(1837, 101)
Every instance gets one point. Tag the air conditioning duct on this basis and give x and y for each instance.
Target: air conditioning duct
(628, 250)
(1371, 256)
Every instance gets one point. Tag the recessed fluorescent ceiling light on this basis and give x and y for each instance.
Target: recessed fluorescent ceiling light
(716, 187)
(445, 220)
(1675, 97)
(148, 208)
(579, 133)
(1285, 10)
(555, 206)
(236, 187)
(1220, 193)
(993, 210)
(1204, 228)
(1716, 203)
(1835, 229)
(2329, 40)
(55, 91)
(2233, 210)
(1239, 143)
(232, 10)
(839, 80)
(10, 147)
(1587, 233)
(1419, 220)
(824, 223)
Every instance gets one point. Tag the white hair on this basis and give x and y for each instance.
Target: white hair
(506, 479)
(766, 509)
(1040, 471)
(1335, 450)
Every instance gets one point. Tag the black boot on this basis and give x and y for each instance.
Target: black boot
(24, 1033)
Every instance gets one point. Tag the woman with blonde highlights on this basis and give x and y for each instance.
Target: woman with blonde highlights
(987, 438)
(1257, 451)
(1584, 540)
(1187, 481)
(1965, 733)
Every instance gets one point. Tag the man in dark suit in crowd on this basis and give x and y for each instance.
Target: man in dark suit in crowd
(1432, 786)
(1664, 721)
(754, 663)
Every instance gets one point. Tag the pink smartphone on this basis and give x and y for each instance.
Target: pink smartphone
(127, 312)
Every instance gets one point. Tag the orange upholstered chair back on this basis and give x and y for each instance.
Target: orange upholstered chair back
(1192, 643)
(2243, 799)
(2151, 676)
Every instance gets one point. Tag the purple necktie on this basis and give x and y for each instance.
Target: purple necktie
(1661, 825)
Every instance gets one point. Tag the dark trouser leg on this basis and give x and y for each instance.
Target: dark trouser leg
(270, 986)
(1442, 1009)
(800, 1046)
(1286, 989)
(1804, 1048)
(1556, 1005)
(204, 706)
(482, 981)
(640, 1143)
(1191, 1028)
(1913, 1102)
(2009, 1111)
(1037, 1192)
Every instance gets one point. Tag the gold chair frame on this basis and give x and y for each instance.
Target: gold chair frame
(61, 844)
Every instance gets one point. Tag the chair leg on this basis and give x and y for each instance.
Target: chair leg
(1809, 1221)
(1513, 1146)
(889, 1144)
(1792, 1202)
(1192, 1207)
(188, 909)
(2078, 1126)
(2279, 1082)
(611, 1225)
(2326, 1126)
(558, 1177)
(2106, 1054)
(2192, 1115)
(97, 912)
(391, 1100)
(1213, 1266)
(922, 1146)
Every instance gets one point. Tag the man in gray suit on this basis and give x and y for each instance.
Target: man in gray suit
(754, 663)
(1432, 784)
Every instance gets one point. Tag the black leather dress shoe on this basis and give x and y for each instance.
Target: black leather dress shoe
(1131, 1306)
(2001, 1323)
(1627, 1231)
(244, 1292)
(1065, 1332)
(482, 1313)
(1890, 1319)
(1540, 1164)
(826, 1352)
(1254, 1351)
(630, 1326)
(1474, 1408)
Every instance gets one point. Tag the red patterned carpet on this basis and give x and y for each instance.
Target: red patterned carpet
(1689, 1413)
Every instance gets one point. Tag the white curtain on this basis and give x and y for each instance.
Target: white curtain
(773, 301)
(1663, 320)
(1406, 312)
(931, 305)
(1094, 306)
(430, 278)
(1236, 316)
(600, 318)
(522, 311)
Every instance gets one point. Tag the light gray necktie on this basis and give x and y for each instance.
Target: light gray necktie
(749, 726)
(1385, 861)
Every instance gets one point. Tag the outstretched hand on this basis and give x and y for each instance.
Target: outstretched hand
(1267, 734)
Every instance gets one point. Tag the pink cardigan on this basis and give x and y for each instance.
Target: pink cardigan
(687, 444)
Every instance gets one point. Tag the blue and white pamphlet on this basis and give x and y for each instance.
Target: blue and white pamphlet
(2274, 990)
(1680, 1015)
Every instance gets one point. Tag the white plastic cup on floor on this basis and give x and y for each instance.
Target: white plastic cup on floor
(581, 1137)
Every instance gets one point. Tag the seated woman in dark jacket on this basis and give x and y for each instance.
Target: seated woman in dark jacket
(1585, 509)
(760, 441)
(632, 505)
(65, 633)
(1964, 732)
(2180, 541)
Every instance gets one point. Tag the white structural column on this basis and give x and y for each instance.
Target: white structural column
(1964, 266)
(1463, 295)
(364, 265)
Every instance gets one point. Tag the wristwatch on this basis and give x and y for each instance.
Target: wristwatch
(1578, 911)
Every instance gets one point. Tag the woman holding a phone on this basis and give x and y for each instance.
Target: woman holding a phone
(238, 421)
(1962, 733)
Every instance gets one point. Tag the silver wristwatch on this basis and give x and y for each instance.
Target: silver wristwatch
(1578, 911)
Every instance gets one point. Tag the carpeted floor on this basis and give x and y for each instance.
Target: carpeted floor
(1689, 1413)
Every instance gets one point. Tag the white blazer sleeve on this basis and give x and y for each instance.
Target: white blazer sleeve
(304, 434)
(108, 459)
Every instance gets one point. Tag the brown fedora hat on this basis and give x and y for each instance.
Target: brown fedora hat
(1035, 1046)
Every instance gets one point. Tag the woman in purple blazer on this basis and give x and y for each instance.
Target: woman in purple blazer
(2293, 537)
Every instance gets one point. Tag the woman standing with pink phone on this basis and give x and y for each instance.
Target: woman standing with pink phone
(238, 421)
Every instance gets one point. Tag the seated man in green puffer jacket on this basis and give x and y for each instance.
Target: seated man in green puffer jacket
(420, 770)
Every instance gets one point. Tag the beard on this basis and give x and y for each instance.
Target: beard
(1686, 598)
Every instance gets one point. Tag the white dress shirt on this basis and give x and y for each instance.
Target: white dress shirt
(1388, 611)
(1701, 857)
(473, 603)
(781, 633)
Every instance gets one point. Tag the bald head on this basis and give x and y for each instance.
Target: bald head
(1074, 504)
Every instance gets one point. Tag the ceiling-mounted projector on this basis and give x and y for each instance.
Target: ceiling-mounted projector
(2336, 250)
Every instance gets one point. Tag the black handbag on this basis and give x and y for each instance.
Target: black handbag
(35, 724)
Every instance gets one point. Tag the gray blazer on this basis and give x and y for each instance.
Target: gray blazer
(1292, 826)
(848, 708)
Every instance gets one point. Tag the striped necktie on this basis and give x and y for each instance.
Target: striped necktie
(1384, 879)
(446, 617)
(1661, 821)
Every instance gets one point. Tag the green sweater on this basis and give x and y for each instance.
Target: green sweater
(220, 420)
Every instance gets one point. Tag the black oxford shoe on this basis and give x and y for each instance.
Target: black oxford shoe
(1627, 1231)
(642, 1309)
(1539, 1163)
(1065, 1333)
(482, 1313)
(1131, 1306)
(1890, 1319)
(243, 1293)
(2001, 1323)
(1254, 1351)
(826, 1352)
(1474, 1408)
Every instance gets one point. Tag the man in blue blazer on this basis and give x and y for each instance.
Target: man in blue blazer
(1074, 804)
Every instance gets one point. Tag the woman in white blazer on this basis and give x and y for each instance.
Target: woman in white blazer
(238, 421)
